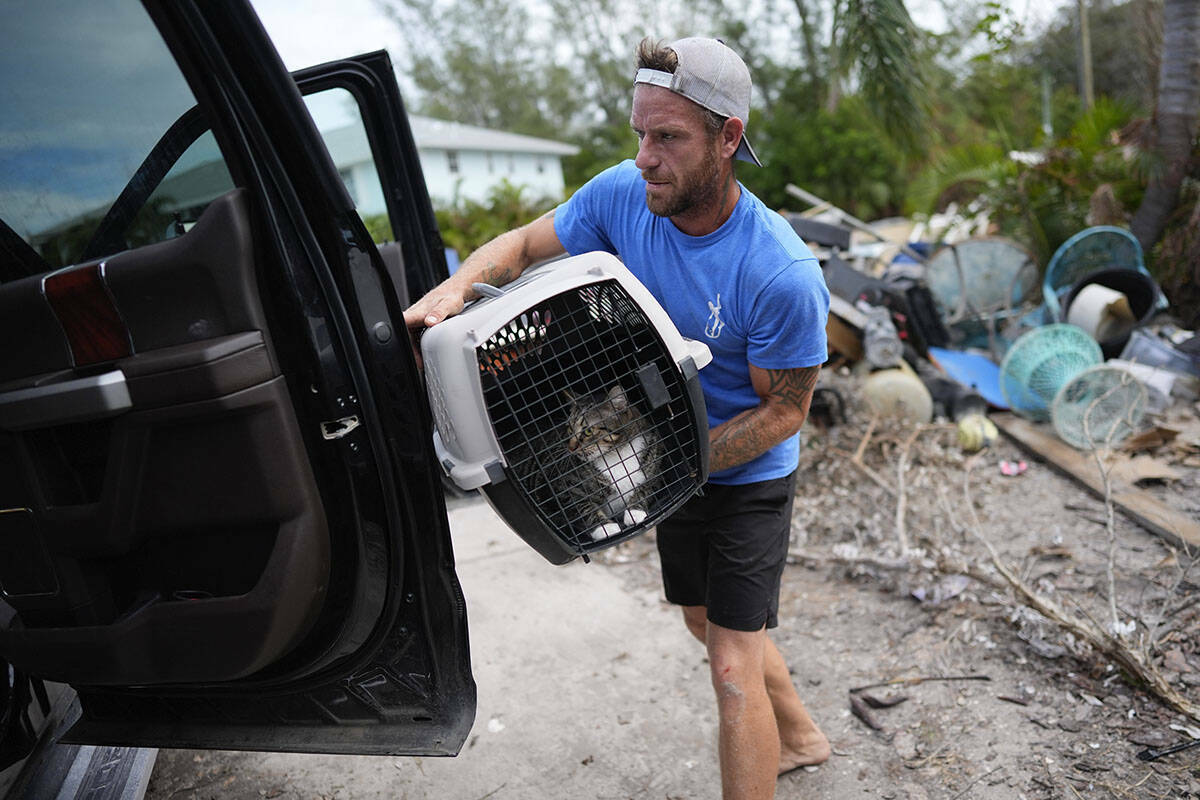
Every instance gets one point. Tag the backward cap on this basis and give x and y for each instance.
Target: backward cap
(711, 75)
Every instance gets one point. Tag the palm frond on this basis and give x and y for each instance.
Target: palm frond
(965, 170)
(1097, 129)
(878, 39)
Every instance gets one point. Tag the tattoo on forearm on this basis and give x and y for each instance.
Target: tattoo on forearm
(492, 273)
(738, 441)
(753, 432)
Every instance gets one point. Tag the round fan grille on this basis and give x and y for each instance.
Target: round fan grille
(981, 276)
(1098, 407)
(1040, 362)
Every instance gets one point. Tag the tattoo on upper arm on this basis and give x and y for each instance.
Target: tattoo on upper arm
(794, 386)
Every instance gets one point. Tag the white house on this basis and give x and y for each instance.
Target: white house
(459, 162)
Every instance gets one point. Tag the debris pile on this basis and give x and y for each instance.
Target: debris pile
(908, 484)
(1017, 565)
(1083, 351)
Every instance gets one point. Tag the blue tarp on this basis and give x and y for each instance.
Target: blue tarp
(973, 370)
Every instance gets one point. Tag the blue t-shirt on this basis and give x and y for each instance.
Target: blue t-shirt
(751, 290)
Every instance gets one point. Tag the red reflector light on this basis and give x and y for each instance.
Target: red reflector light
(94, 328)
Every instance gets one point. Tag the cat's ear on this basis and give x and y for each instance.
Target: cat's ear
(616, 396)
(569, 395)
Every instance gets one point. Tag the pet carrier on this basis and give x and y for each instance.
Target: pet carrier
(571, 401)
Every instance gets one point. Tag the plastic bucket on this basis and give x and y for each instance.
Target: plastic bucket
(1146, 348)
(1139, 289)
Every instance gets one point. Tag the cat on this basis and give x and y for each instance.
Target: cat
(607, 432)
(594, 473)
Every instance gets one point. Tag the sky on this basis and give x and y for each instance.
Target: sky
(94, 159)
(308, 32)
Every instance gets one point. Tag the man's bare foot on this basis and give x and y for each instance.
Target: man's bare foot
(805, 751)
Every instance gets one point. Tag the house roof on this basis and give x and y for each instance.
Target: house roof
(348, 145)
(439, 134)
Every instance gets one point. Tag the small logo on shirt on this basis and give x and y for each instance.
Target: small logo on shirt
(713, 329)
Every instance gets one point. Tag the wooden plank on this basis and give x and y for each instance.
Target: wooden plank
(843, 339)
(847, 311)
(1140, 506)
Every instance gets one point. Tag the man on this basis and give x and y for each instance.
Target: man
(733, 274)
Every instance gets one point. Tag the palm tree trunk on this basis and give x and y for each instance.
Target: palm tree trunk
(1175, 118)
(808, 34)
(833, 94)
(1148, 33)
(1086, 83)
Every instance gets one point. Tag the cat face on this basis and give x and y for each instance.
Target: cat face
(599, 422)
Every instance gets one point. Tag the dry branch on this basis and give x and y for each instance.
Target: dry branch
(865, 470)
(901, 494)
(901, 471)
(1134, 658)
(891, 564)
(1136, 663)
(919, 679)
(862, 445)
(1105, 470)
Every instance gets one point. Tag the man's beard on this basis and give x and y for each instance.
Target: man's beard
(696, 188)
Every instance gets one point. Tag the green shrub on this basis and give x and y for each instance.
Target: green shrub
(380, 228)
(842, 157)
(468, 224)
(1042, 204)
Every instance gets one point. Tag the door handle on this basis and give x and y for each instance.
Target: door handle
(74, 400)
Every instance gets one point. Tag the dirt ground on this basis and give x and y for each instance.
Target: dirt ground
(1037, 714)
(1053, 719)
(1005, 705)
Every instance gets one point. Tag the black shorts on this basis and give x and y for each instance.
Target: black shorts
(725, 550)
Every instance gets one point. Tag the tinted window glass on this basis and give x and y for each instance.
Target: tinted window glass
(194, 181)
(340, 122)
(83, 106)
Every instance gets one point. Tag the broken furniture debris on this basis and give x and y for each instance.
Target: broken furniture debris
(968, 314)
(1092, 250)
(976, 335)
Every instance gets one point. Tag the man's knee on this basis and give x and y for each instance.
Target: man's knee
(736, 662)
(696, 620)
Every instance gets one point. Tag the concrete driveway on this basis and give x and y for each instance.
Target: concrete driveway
(587, 688)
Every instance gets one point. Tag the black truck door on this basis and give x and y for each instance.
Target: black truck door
(221, 519)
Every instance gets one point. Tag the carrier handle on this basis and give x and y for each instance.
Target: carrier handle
(487, 290)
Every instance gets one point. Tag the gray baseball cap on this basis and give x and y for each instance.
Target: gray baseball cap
(712, 76)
